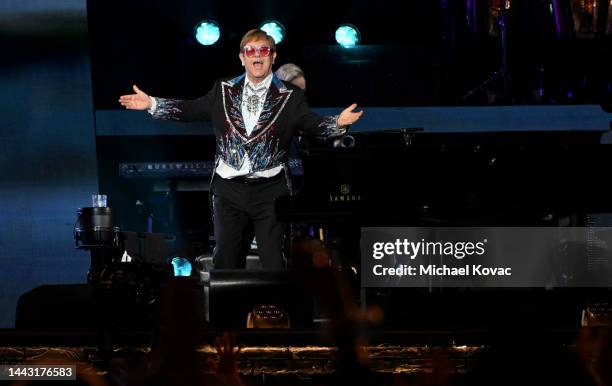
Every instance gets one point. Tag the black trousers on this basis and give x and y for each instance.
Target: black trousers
(236, 204)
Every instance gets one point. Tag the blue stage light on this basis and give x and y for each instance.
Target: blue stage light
(207, 33)
(347, 36)
(274, 29)
(181, 266)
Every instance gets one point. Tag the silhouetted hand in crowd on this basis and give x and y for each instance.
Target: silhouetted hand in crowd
(594, 346)
(226, 367)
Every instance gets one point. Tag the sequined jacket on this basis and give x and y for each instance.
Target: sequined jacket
(284, 114)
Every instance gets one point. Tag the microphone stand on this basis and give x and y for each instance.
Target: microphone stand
(501, 73)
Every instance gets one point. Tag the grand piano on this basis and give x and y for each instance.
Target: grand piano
(410, 178)
(407, 178)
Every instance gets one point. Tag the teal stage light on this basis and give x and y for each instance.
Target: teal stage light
(207, 33)
(274, 29)
(181, 266)
(347, 36)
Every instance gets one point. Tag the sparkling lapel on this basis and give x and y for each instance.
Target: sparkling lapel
(232, 99)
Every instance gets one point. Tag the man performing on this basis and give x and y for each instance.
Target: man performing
(254, 117)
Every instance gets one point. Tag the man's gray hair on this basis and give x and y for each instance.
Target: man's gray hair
(289, 72)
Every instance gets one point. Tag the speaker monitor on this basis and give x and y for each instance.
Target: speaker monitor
(53, 307)
(76, 307)
(235, 293)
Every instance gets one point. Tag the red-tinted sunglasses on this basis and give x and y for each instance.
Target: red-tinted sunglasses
(250, 51)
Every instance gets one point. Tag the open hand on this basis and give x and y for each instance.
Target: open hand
(348, 117)
(138, 101)
(227, 354)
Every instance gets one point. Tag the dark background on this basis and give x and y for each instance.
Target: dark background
(413, 53)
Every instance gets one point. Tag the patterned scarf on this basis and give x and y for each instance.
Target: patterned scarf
(253, 98)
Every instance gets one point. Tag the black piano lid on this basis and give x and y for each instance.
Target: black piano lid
(460, 176)
(401, 138)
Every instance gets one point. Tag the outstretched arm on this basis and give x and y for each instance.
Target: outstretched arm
(327, 126)
(174, 109)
